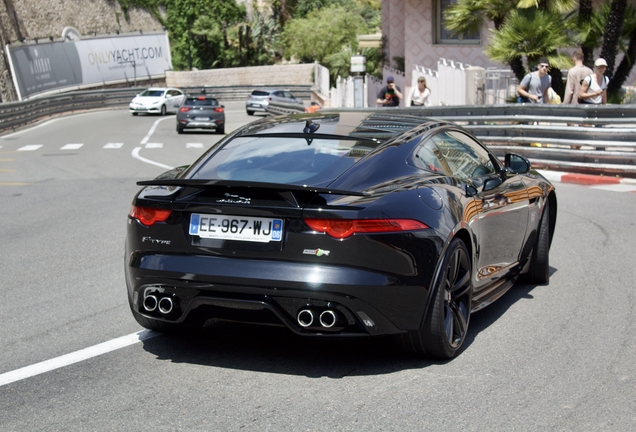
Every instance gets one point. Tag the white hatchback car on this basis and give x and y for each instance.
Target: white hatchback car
(156, 100)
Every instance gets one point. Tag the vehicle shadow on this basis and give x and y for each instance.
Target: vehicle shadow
(278, 350)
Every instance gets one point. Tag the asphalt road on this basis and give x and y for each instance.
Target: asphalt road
(554, 357)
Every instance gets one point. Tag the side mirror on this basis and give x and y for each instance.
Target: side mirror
(516, 164)
(491, 183)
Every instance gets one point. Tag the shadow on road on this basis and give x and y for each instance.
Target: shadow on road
(278, 350)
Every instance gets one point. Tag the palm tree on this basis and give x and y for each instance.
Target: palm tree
(532, 33)
(612, 35)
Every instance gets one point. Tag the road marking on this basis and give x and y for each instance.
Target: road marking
(135, 154)
(14, 184)
(30, 147)
(7, 160)
(113, 145)
(616, 187)
(154, 145)
(194, 145)
(5, 170)
(71, 146)
(152, 129)
(75, 357)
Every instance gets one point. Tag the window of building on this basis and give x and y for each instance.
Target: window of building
(443, 35)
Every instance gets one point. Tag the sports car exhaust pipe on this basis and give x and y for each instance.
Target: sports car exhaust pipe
(150, 303)
(328, 318)
(165, 305)
(305, 318)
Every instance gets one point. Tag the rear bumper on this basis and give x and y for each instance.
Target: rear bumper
(366, 303)
(192, 124)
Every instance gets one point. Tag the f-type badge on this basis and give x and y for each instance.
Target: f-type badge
(317, 252)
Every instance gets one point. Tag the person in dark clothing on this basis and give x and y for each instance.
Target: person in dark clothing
(390, 95)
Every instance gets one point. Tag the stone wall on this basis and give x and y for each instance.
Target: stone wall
(277, 75)
(41, 19)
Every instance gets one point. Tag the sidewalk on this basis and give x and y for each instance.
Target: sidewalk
(588, 179)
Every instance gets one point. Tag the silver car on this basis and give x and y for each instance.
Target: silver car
(259, 100)
(156, 100)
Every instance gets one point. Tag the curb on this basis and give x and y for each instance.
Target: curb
(584, 179)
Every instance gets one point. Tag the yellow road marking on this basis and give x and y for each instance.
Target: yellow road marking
(15, 184)
(6, 170)
(7, 160)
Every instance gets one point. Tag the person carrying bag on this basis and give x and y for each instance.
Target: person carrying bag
(593, 86)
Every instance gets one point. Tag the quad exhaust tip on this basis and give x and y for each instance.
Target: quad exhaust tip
(305, 318)
(150, 303)
(326, 319)
(163, 304)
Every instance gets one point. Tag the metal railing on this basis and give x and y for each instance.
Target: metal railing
(577, 138)
(17, 114)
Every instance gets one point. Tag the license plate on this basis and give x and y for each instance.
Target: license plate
(256, 105)
(201, 118)
(242, 228)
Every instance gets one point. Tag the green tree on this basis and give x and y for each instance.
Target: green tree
(322, 33)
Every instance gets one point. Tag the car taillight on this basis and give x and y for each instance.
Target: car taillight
(185, 109)
(343, 228)
(148, 216)
(219, 109)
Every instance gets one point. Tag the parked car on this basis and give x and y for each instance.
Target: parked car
(258, 100)
(340, 224)
(156, 100)
(201, 111)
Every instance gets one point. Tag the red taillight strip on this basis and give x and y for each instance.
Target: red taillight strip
(343, 228)
(148, 216)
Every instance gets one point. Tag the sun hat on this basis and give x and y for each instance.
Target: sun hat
(600, 62)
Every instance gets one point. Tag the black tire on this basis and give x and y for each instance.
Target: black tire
(135, 114)
(539, 271)
(250, 112)
(179, 130)
(220, 129)
(163, 110)
(446, 324)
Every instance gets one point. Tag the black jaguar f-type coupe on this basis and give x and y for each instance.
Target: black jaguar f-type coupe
(339, 224)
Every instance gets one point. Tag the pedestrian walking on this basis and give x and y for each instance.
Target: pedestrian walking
(419, 94)
(390, 95)
(575, 78)
(594, 86)
(534, 86)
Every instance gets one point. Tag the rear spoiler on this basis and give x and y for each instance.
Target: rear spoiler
(247, 184)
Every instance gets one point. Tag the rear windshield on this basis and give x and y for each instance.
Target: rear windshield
(201, 102)
(287, 160)
(260, 93)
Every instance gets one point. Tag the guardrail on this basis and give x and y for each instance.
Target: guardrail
(17, 114)
(577, 138)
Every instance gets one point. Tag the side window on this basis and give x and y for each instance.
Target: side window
(428, 157)
(288, 95)
(463, 155)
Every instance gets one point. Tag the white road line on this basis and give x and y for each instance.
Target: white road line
(194, 145)
(616, 187)
(113, 145)
(75, 357)
(30, 147)
(154, 145)
(135, 154)
(71, 146)
(152, 129)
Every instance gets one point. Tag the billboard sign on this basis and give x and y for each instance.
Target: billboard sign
(47, 67)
